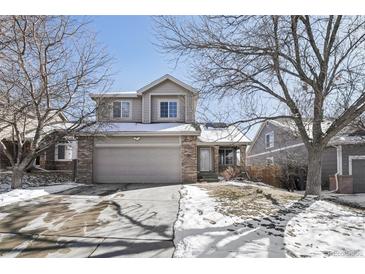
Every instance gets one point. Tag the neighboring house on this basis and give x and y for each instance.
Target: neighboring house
(151, 136)
(277, 142)
(57, 157)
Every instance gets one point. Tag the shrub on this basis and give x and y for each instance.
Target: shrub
(231, 172)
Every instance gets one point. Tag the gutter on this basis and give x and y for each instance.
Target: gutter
(141, 133)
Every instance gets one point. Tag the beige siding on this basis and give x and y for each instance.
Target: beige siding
(158, 140)
(105, 111)
(190, 108)
(168, 88)
(155, 108)
(145, 108)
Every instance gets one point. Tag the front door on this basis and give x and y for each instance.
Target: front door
(205, 159)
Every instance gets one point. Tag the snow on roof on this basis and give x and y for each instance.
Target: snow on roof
(157, 128)
(345, 137)
(164, 78)
(211, 133)
(120, 94)
(290, 125)
(31, 126)
(346, 140)
(124, 94)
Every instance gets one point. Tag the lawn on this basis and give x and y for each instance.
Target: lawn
(234, 219)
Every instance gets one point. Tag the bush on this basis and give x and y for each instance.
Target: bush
(231, 172)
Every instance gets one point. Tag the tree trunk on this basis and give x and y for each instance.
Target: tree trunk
(17, 178)
(314, 173)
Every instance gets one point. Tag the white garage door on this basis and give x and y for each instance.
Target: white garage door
(137, 164)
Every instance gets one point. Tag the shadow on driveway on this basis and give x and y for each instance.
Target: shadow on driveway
(92, 221)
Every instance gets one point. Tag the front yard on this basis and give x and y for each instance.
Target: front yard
(250, 220)
(226, 219)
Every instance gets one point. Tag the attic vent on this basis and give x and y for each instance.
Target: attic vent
(216, 125)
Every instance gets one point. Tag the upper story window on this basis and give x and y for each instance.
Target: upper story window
(269, 140)
(122, 109)
(168, 109)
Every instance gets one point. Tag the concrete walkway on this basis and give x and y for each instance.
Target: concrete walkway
(129, 220)
(352, 200)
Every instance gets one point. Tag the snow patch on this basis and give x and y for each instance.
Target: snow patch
(306, 228)
(18, 195)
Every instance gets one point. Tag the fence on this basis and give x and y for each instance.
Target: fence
(271, 174)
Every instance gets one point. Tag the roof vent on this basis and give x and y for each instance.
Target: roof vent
(216, 125)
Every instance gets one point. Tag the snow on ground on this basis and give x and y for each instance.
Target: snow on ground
(243, 220)
(34, 185)
(18, 195)
(354, 200)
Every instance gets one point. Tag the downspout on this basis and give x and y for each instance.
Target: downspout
(339, 166)
(336, 180)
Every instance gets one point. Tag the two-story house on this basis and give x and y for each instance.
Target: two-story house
(277, 142)
(151, 136)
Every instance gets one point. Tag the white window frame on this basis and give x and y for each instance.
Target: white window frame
(68, 146)
(354, 157)
(224, 156)
(270, 159)
(121, 110)
(168, 101)
(271, 143)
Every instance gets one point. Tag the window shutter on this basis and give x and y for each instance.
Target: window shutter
(117, 110)
(125, 109)
(56, 152)
(68, 152)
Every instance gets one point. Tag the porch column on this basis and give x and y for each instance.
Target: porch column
(189, 159)
(243, 157)
(216, 159)
(85, 159)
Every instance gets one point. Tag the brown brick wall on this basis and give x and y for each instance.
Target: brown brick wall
(345, 184)
(85, 160)
(216, 159)
(4, 161)
(48, 161)
(189, 160)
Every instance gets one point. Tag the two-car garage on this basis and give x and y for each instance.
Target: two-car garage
(131, 159)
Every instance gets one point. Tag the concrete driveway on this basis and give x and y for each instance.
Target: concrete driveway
(129, 220)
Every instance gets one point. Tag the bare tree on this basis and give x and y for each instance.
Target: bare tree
(48, 64)
(305, 68)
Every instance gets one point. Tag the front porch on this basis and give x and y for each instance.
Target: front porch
(214, 160)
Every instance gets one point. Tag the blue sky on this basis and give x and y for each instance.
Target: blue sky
(137, 61)
(129, 39)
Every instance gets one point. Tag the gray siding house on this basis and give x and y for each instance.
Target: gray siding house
(277, 142)
(151, 136)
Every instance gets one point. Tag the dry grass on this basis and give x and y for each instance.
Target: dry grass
(249, 201)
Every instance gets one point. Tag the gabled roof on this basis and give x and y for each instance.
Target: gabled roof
(164, 78)
(262, 126)
(346, 136)
(134, 94)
